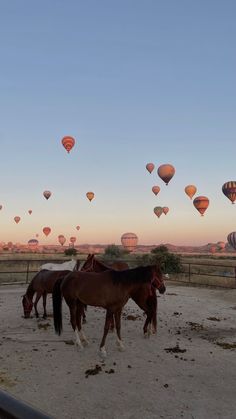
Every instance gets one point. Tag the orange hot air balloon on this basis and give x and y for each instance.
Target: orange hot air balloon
(129, 241)
(166, 172)
(46, 231)
(30, 212)
(158, 211)
(90, 195)
(17, 219)
(229, 190)
(77, 227)
(165, 210)
(150, 167)
(190, 190)
(47, 194)
(156, 189)
(201, 204)
(73, 239)
(68, 143)
(61, 239)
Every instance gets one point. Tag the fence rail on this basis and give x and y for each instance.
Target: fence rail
(11, 408)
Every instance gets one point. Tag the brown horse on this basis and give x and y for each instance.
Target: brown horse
(109, 289)
(42, 284)
(149, 306)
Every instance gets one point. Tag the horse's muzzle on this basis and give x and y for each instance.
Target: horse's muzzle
(162, 289)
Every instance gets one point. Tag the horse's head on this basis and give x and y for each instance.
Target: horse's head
(157, 279)
(88, 264)
(27, 306)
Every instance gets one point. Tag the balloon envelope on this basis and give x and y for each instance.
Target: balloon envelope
(46, 231)
(90, 195)
(61, 239)
(30, 212)
(156, 189)
(229, 190)
(47, 194)
(158, 211)
(73, 239)
(0, 207)
(201, 204)
(232, 239)
(33, 243)
(165, 210)
(77, 227)
(17, 219)
(150, 167)
(166, 172)
(68, 143)
(129, 241)
(190, 190)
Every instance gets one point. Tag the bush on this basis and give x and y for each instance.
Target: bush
(114, 252)
(170, 263)
(70, 252)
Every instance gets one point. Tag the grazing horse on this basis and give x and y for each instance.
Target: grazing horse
(109, 289)
(149, 306)
(42, 284)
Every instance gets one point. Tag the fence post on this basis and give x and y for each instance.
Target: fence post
(189, 272)
(27, 271)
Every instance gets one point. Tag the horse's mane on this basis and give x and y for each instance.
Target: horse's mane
(140, 274)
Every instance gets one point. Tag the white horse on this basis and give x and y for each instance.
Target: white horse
(70, 265)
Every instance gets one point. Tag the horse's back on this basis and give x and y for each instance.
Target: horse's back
(44, 281)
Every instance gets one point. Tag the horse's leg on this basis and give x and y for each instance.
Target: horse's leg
(73, 310)
(44, 305)
(38, 296)
(112, 323)
(79, 314)
(117, 316)
(83, 314)
(109, 315)
(147, 324)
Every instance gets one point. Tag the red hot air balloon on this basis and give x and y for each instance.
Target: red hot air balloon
(201, 204)
(30, 212)
(158, 211)
(166, 172)
(17, 219)
(90, 195)
(68, 143)
(47, 194)
(165, 210)
(77, 227)
(150, 167)
(229, 190)
(129, 241)
(156, 189)
(46, 231)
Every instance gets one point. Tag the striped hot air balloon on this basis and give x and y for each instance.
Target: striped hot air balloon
(229, 190)
(201, 204)
(232, 239)
(129, 241)
(68, 143)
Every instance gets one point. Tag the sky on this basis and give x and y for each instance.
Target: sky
(133, 82)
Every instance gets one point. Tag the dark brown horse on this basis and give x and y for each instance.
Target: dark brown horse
(149, 306)
(42, 284)
(109, 289)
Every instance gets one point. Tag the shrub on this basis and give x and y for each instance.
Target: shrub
(114, 252)
(70, 252)
(170, 263)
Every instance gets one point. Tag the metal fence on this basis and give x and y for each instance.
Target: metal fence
(11, 408)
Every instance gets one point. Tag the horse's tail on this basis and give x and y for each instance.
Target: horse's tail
(57, 306)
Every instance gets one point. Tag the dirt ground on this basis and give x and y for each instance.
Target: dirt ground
(188, 370)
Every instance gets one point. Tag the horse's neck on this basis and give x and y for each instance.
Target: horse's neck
(30, 290)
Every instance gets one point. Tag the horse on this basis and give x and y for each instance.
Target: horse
(42, 284)
(69, 265)
(109, 289)
(150, 305)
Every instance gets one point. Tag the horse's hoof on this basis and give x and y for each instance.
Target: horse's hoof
(103, 353)
(85, 342)
(146, 335)
(84, 321)
(79, 347)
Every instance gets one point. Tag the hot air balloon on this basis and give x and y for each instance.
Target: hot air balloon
(221, 245)
(129, 241)
(47, 194)
(156, 189)
(166, 172)
(33, 243)
(150, 167)
(90, 195)
(73, 239)
(30, 212)
(190, 190)
(0, 207)
(61, 239)
(36, 235)
(229, 190)
(232, 239)
(165, 210)
(201, 204)
(68, 143)
(77, 227)
(46, 231)
(158, 211)
(17, 219)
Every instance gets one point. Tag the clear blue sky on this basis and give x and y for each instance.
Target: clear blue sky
(133, 82)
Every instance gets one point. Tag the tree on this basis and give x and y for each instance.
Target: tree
(170, 263)
(114, 252)
(70, 252)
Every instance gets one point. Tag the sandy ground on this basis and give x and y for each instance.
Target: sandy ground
(188, 370)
